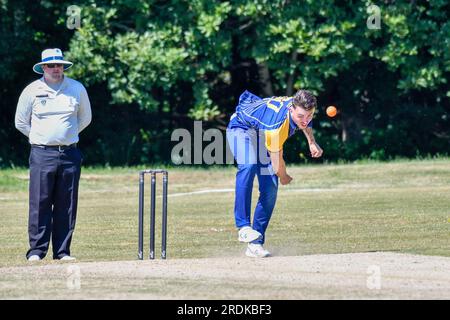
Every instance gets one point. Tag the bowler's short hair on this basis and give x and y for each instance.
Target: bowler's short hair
(305, 99)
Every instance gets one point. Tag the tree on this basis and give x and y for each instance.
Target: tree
(152, 66)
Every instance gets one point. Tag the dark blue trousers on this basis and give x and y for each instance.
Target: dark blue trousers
(252, 159)
(54, 179)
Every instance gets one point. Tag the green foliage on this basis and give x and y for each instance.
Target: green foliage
(144, 65)
(26, 28)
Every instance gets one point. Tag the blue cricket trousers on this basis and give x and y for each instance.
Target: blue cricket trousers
(54, 178)
(252, 159)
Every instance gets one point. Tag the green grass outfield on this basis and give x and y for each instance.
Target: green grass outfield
(403, 206)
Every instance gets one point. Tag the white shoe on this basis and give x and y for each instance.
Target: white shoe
(256, 250)
(68, 258)
(248, 234)
(34, 257)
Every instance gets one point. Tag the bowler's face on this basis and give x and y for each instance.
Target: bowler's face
(301, 117)
(53, 71)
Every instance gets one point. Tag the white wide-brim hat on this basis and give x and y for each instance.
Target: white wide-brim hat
(51, 56)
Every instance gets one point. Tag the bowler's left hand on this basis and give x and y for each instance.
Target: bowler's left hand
(315, 149)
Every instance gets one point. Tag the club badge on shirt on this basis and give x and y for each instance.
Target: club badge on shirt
(42, 99)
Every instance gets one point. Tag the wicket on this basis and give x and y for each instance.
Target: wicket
(153, 174)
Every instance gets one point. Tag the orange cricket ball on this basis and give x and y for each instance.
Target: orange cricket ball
(331, 111)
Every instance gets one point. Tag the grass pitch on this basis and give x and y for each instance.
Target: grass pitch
(330, 226)
(400, 206)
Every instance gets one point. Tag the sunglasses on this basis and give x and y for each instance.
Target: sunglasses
(54, 65)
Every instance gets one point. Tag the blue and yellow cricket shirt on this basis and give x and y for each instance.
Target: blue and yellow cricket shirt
(270, 115)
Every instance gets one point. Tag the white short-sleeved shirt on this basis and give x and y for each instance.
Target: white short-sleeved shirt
(49, 117)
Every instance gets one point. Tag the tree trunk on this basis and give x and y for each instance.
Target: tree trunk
(291, 78)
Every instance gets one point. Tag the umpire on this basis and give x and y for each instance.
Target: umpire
(51, 112)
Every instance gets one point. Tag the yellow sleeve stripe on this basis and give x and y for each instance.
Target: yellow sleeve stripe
(277, 137)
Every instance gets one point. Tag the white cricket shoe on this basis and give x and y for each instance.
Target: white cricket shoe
(34, 257)
(68, 258)
(248, 234)
(256, 250)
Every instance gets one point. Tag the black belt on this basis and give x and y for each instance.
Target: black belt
(59, 148)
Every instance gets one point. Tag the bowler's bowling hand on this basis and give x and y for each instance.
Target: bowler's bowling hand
(285, 179)
(315, 149)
